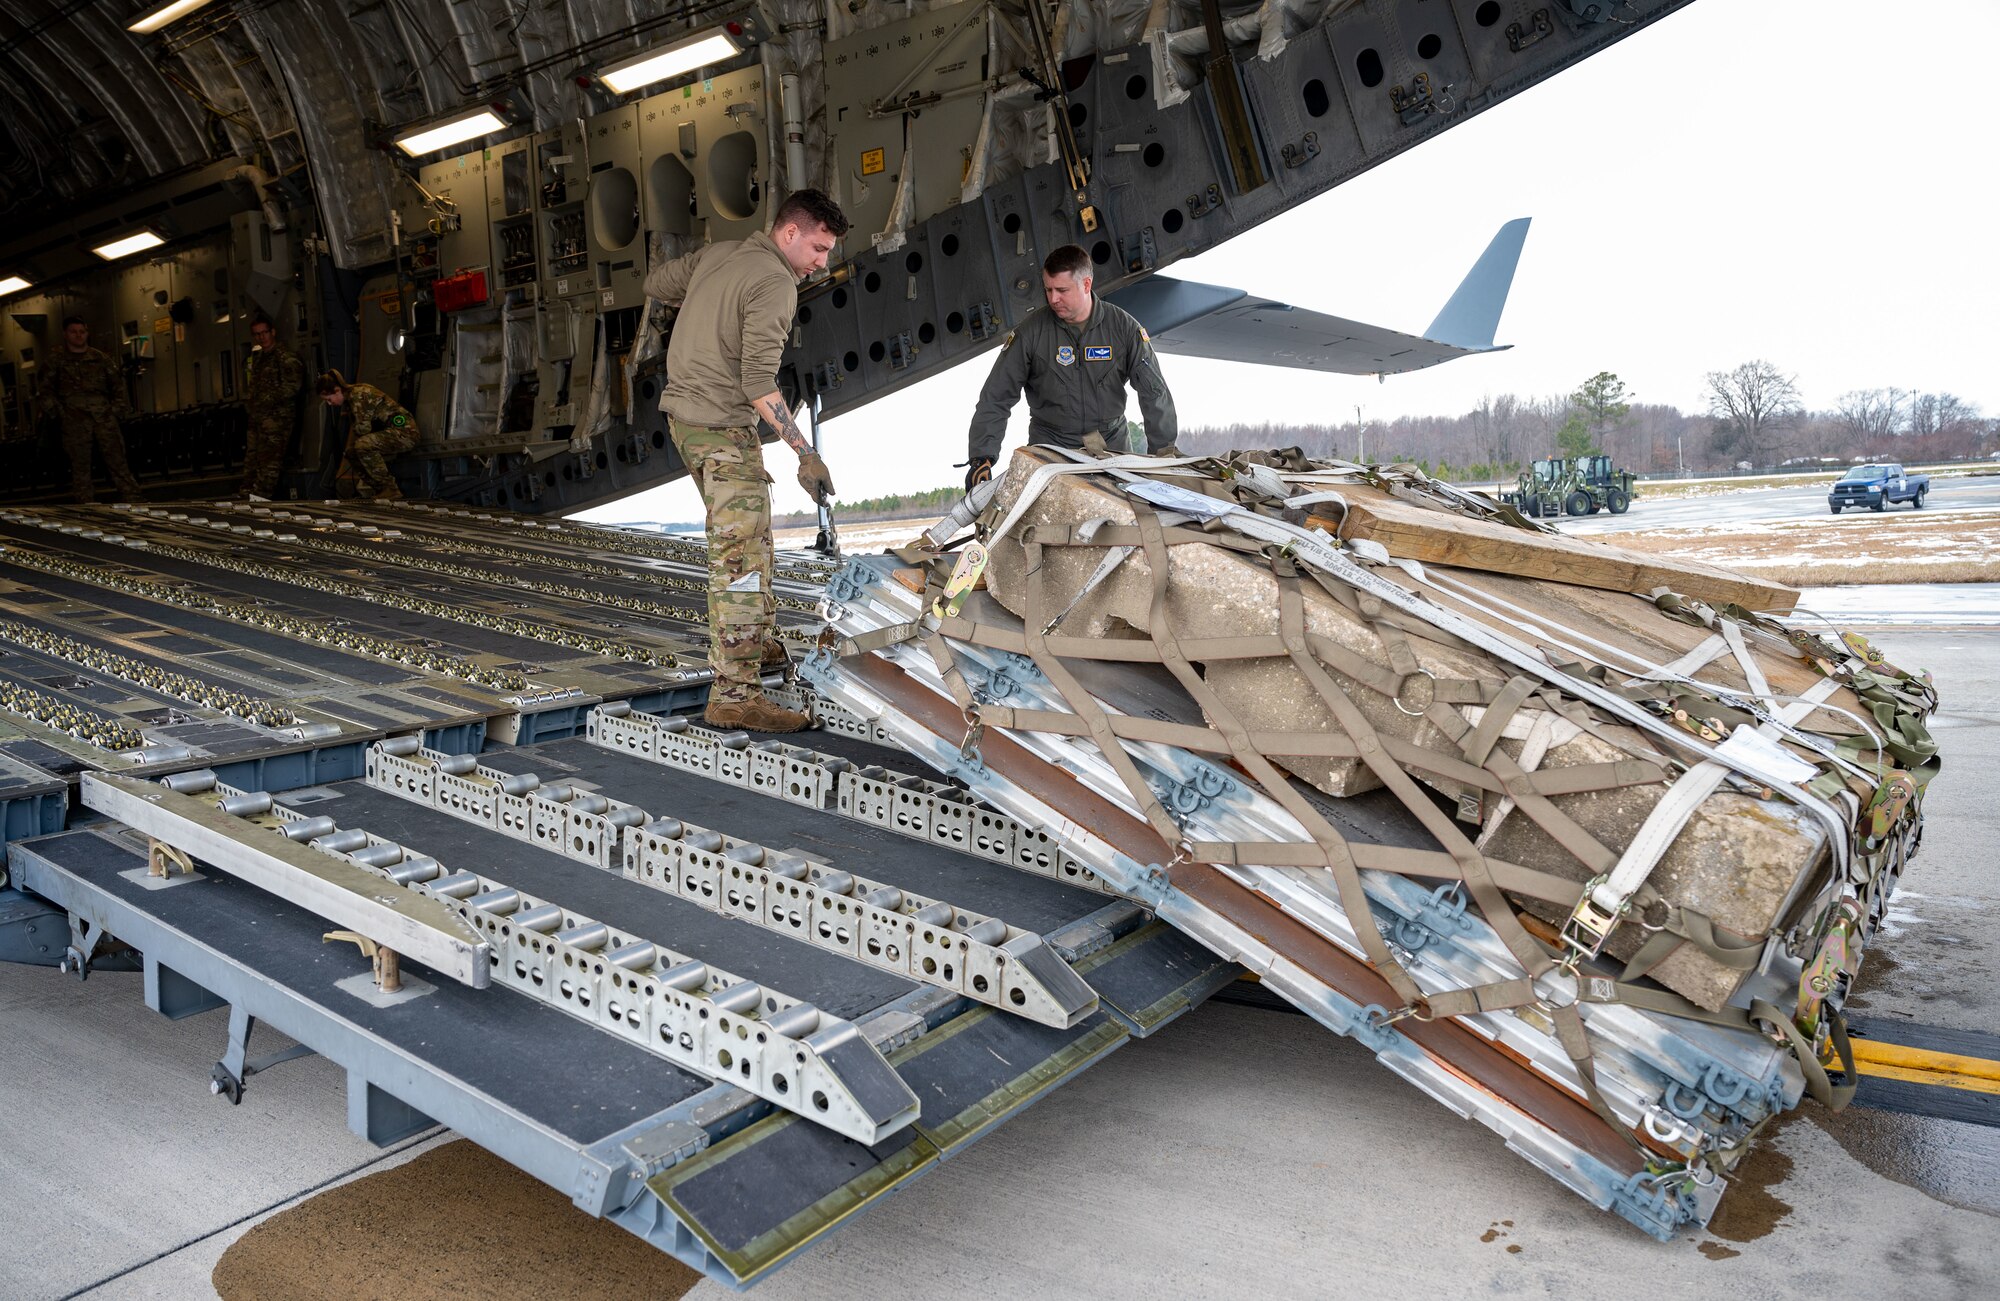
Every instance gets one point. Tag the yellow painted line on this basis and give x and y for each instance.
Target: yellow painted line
(1883, 1053)
(1970, 1084)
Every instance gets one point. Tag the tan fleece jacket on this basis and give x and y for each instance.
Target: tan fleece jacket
(736, 302)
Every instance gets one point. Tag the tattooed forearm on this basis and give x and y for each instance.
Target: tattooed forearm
(772, 407)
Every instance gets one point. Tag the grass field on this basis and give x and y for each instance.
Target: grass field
(1934, 546)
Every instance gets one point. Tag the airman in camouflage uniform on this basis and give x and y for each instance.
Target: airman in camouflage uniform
(382, 428)
(88, 389)
(272, 378)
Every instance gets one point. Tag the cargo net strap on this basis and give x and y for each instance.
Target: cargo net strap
(1664, 704)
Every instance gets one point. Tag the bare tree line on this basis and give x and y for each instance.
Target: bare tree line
(1754, 416)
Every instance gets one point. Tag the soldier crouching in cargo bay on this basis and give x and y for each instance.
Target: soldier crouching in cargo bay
(1074, 359)
(272, 378)
(382, 428)
(735, 301)
(88, 389)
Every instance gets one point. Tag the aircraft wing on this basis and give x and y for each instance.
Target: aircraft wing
(1197, 320)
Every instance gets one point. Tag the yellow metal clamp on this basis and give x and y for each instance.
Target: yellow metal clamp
(965, 576)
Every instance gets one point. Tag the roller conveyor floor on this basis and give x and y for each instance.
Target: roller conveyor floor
(704, 1170)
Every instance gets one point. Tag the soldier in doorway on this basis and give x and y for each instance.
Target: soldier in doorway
(382, 429)
(87, 388)
(273, 375)
(736, 300)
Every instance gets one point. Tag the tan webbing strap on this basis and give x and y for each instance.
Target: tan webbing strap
(1317, 745)
(875, 639)
(1540, 733)
(1519, 786)
(1472, 868)
(1586, 777)
(1500, 713)
(1818, 1083)
(1686, 926)
(947, 667)
(1332, 847)
(1086, 705)
(1395, 646)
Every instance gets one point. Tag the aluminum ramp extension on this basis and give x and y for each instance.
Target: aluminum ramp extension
(706, 1172)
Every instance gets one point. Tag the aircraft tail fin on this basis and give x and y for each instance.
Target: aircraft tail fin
(1472, 315)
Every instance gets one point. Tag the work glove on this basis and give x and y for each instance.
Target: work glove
(813, 477)
(981, 471)
(1093, 442)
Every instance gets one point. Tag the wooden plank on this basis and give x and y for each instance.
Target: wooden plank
(1438, 538)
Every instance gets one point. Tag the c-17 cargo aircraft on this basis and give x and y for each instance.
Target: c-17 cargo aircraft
(459, 204)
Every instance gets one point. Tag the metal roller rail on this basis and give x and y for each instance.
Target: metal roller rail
(179, 686)
(828, 714)
(693, 628)
(916, 807)
(929, 941)
(808, 571)
(698, 1016)
(1690, 1086)
(572, 638)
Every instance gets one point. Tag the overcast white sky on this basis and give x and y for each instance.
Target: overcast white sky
(1809, 181)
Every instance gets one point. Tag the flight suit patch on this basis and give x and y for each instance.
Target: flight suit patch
(1097, 353)
(1065, 356)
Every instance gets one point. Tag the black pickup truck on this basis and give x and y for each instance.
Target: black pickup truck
(1875, 486)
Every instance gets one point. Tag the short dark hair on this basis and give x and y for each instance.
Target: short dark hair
(1069, 260)
(811, 207)
(261, 319)
(75, 320)
(329, 382)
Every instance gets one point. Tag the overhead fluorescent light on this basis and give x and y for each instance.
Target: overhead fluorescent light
(12, 285)
(452, 131)
(165, 14)
(697, 51)
(118, 248)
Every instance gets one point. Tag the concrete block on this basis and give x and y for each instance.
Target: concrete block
(1738, 860)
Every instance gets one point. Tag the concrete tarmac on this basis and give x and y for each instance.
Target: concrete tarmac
(1237, 1152)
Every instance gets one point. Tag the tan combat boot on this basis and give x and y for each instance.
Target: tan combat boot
(757, 714)
(776, 656)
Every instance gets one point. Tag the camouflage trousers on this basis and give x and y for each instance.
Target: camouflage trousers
(370, 452)
(264, 449)
(82, 428)
(728, 468)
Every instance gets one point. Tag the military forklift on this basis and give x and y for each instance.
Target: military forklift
(1596, 486)
(1582, 486)
(1538, 490)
